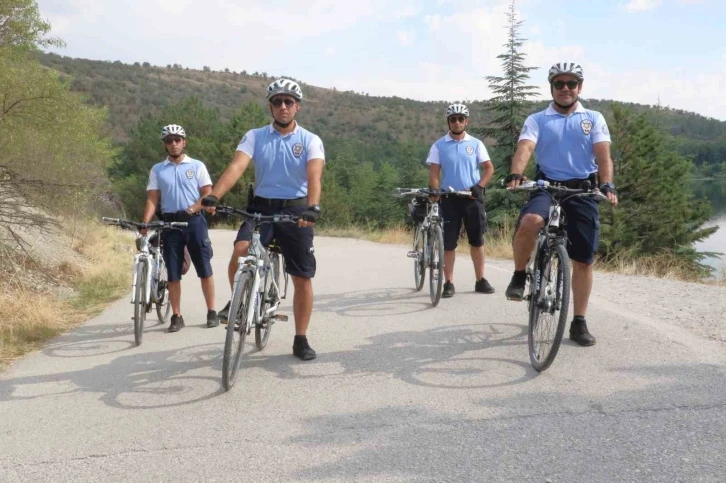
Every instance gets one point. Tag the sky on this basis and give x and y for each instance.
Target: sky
(646, 51)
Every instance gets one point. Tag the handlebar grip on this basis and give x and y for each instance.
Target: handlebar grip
(179, 223)
(110, 220)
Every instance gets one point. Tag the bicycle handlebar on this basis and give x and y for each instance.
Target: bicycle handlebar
(258, 217)
(135, 225)
(545, 185)
(401, 192)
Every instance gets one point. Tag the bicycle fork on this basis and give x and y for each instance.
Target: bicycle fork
(140, 260)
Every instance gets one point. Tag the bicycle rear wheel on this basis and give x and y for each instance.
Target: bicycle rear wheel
(436, 263)
(163, 307)
(270, 297)
(549, 306)
(236, 329)
(419, 269)
(139, 305)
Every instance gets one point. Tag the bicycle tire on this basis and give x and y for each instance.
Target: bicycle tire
(419, 267)
(269, 296)
(436, 263)
(163, 305)
(547, 324)
(139, 305)
(234, 344)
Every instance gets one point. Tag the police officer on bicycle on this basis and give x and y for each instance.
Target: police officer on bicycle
(176, 186)
(572, 146)
(456, 158)
(288, 164)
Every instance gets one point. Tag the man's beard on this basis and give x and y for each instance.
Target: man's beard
(283, 125)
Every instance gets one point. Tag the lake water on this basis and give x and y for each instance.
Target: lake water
(715, 191)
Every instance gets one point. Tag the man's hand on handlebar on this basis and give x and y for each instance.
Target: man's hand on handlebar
(209, 203)
(512, 180)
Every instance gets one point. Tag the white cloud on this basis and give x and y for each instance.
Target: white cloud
(641, 5)
(405, 37)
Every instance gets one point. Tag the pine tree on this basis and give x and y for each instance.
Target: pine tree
(657, 213)
(512, 96)
(510, 106)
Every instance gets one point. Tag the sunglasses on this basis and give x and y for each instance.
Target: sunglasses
(457, 119)
(278, 102)
(173, 140)
(571, 84)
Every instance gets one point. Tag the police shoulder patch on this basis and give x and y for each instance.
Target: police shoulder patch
(586, 126)
(297, 149)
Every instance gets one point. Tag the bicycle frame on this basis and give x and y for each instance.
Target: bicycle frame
(151, 256)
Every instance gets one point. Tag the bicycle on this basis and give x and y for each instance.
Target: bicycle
(256, 293)
(149, 277)
(547, 288)
(428, 238)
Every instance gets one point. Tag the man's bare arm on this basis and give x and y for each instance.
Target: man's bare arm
(525, 148)
(152, 201)
(232, 174)
(315, 176)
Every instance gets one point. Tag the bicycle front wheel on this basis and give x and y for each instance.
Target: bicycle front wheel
(549, 306)
(163, 306)
(270, 297)
(419, 269)
(236, 329)
(436, 263)
(139, 302)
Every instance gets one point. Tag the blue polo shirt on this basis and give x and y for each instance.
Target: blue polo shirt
(281, 161)
(564, 144)
(459, 161)
(178, 183)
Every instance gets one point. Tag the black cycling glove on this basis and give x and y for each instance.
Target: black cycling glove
(210, 200)
(311, 214)
(477, 191)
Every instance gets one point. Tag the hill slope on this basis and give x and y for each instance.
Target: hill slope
(130, 91)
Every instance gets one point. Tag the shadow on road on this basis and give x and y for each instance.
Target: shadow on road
(133, 381)
(380, 302)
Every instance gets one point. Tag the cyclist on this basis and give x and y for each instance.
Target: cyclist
(288, 164)
(175, 185)
(572, 145)
(456, 159)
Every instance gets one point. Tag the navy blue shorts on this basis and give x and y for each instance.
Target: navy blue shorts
(196, 238)
(583, 223)
(471, 213)
(296, 243)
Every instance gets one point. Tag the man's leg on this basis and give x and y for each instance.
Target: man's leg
(241, 248)
(208, 291)
(302, 303)
(581, 286)
(477, 257)
(525, 238)
(175, 297)
(449, 259)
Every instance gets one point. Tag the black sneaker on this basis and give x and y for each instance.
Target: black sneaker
(579, 332)
(515, 290)
(301, 349)
(177, 323)
(223, 314)
(212, 319)
(449, 290)
(482, 286)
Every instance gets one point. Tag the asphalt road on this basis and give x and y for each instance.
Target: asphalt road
(400, 392)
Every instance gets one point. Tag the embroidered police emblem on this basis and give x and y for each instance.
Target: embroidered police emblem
(297, 149)
(190, 173)
(244, 138)
(586, 126)
(524, 129)
(469, 150)
(605, 130)
(322, 150)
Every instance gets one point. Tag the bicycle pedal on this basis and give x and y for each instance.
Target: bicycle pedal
(280, 317)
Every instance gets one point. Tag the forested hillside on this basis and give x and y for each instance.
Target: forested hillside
(131, 91)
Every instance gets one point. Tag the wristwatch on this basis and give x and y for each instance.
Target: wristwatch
(315, 208)
(609, 185)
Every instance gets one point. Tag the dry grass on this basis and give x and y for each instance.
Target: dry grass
(29, 317)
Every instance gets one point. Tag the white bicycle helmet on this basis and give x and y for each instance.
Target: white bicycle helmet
(284, 86)
(569, 68)
(457, 109)
(173, 130)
